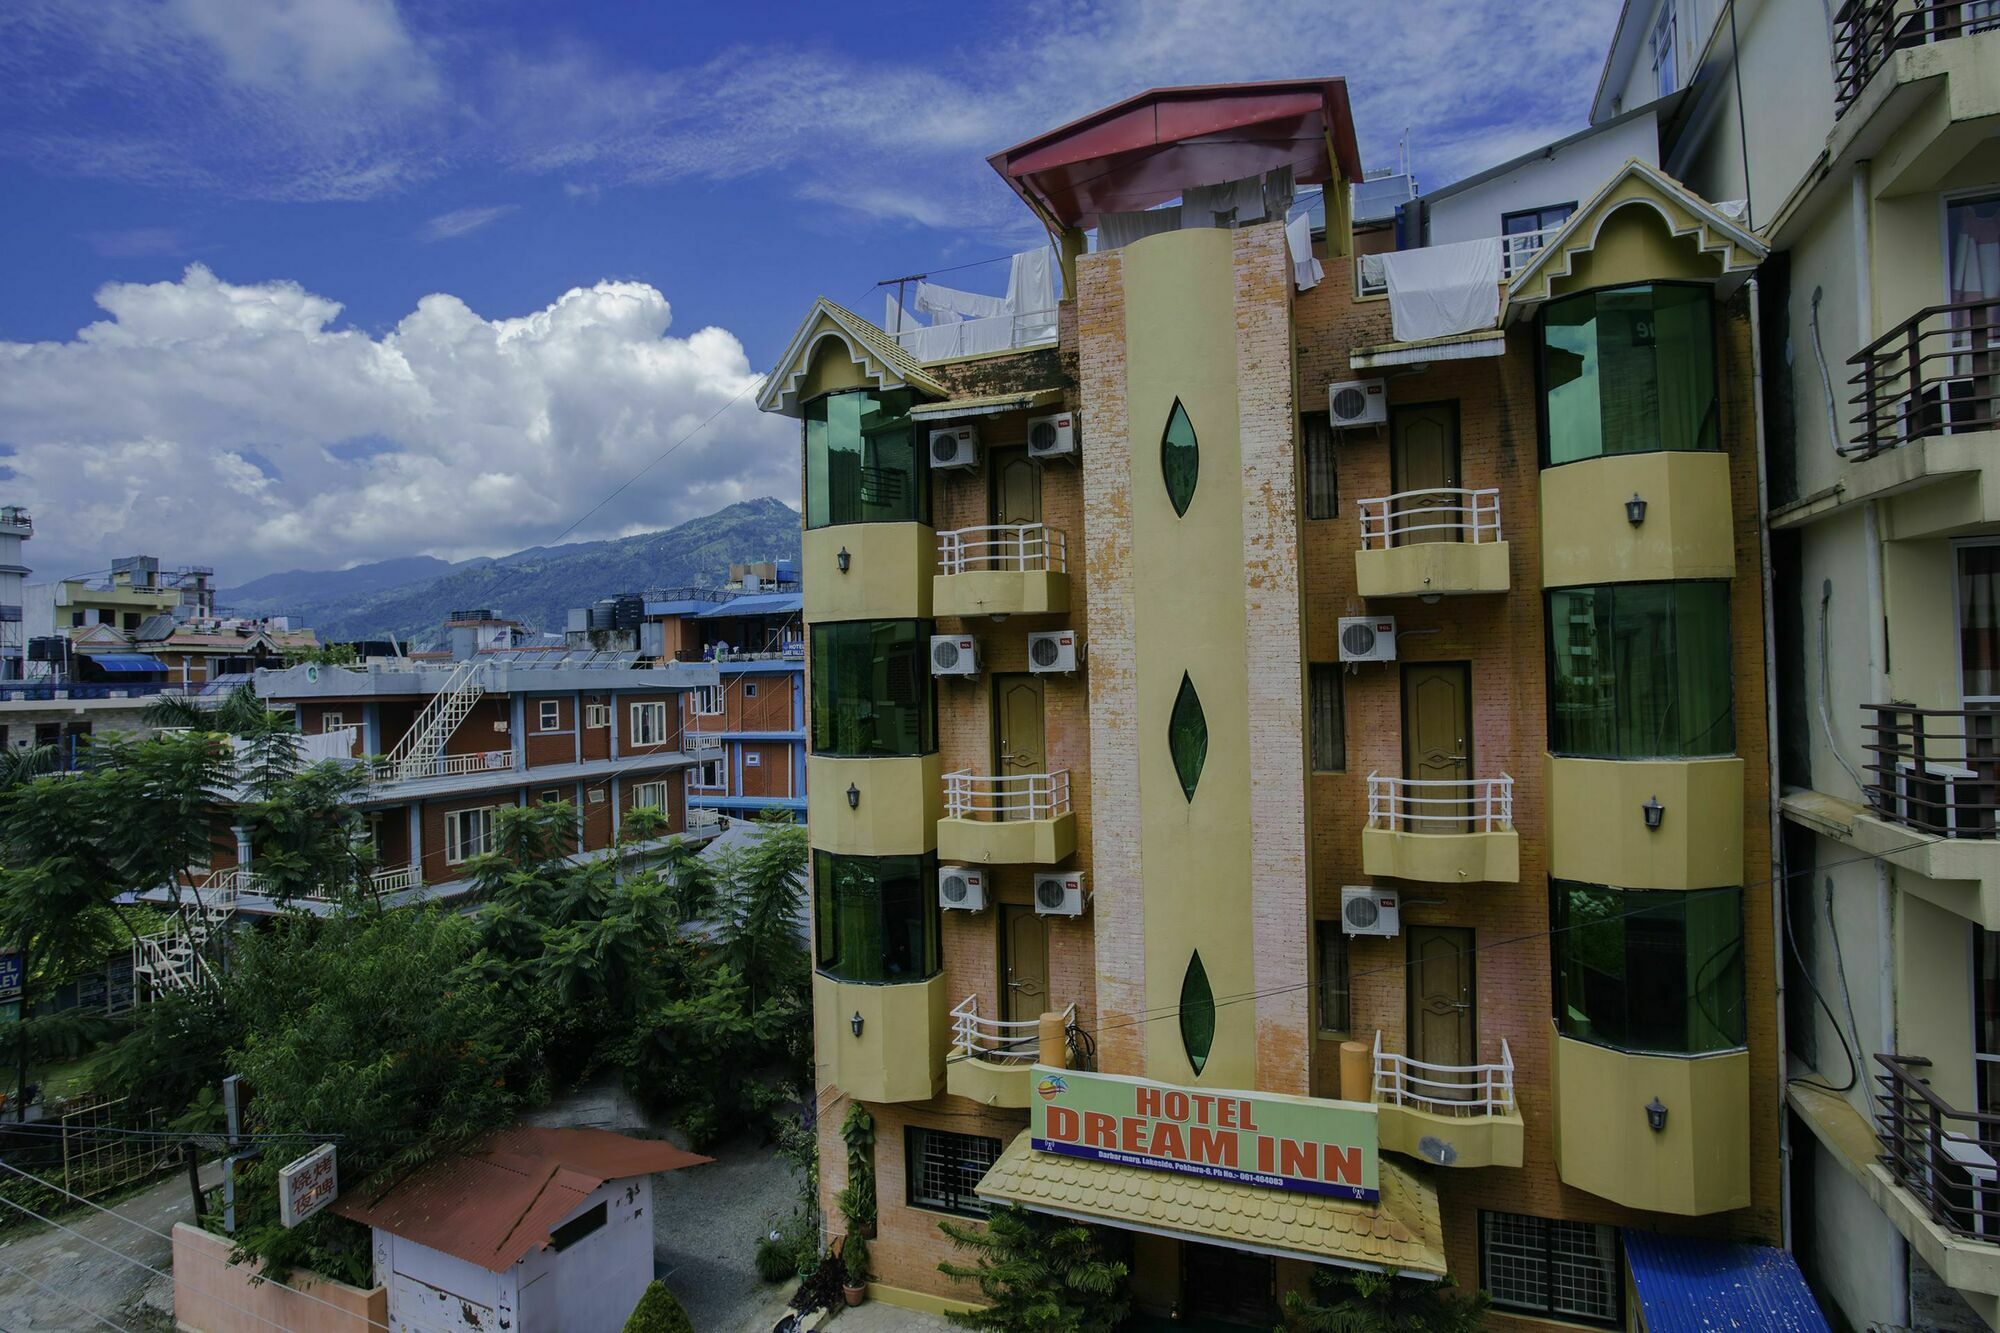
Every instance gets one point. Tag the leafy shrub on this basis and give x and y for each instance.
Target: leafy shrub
(776, 1258)
(820, 1289)
(658, 1312)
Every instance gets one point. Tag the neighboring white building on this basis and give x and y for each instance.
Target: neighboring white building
(534, 1231)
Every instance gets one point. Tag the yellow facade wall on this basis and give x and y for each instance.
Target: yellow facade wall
(1432, 569)
(1037, 842)
(899, 1056)
(901, 799)
(996, 592)
(1442, 858)
(830, 366)
(1598, 833)
(889, 569)
(1451, 1140)
(1687, 533)
(1698, 1164)
(1935, 996)
(1634, 244)
(1188, 611)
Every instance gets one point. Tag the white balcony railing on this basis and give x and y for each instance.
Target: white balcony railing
(971, 337)
(1418, 805)
(969, 795)
(393, 880)
(443, 766)
(1008, 548)
(701, 822)
(1516, 251)
(1444, 514)
(1458, 1090)
(1000, 1040)
(701, 742)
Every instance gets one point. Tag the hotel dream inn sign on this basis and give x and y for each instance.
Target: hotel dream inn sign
(1305, 1144)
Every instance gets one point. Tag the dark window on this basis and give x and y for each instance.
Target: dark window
(574, 1230)
(864, 463)
(749, 689)
(76, 617)
(876, 917)
(1629, 370)
(1187, 737)
(1322, 474)
(944, 1169)
(1640, 671)
(1329, 717)
(1648, 970)
(131, 621)
(1197, 1013)
(871, 688)
(1525, 232)
(1180, 459)
(1556, 1269)
(1331, 943)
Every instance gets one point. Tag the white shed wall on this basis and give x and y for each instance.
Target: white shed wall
(1572, 175)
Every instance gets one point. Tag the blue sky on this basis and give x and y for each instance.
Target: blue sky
(308, 282)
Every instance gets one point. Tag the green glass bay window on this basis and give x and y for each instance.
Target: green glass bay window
(875, 918)
(1640, 671)
(864, 463)
(871, 689)
(1653, 972)
(1629, 370)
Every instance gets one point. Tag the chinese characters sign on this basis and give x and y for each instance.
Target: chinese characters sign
(307, 1185)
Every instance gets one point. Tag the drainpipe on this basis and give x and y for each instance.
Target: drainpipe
(1777, 878)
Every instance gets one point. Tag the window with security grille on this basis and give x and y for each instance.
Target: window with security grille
(944, 1169)
(1557, 1269)
(1322, 476)
(1328, 717)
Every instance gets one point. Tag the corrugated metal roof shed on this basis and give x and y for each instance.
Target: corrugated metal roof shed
(757, 604)
(1687, 1285)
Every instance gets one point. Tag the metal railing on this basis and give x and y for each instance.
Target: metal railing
(1460, 1090)
(1012, 548)
(443, 766)
(1447, 513)
(1007, 1041)
(45, 691)
(1371, 277)
(969, 795)
(1936, 770)
(1422, 805)
(1936, 373)
(1942, 1156)
(1866, 33)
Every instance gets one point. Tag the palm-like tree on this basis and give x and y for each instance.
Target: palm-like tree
(25, 765)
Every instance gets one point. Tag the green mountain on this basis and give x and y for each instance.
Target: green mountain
(538, 585)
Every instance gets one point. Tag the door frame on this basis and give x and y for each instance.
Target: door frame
(1397, 483)
(1469, 963)
(1001, 680)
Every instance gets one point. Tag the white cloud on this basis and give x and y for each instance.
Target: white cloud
(463, 221)
(210, 421)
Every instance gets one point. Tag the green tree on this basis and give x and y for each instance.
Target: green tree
(311, 839)
(322, 654)
(25, 765)
(1356, 1301)
(1040, 1274)
(658, 1312)
(161, 800)
(759, 926)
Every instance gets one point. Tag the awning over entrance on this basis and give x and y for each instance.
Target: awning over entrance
(1692, 1286)
(1400, 1232)
(127, 662)
(990, 405)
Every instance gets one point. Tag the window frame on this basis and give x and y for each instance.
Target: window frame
(1568, 943)
(550, 796)
(331, 722)
(1542, 373)
(1315, 673)
(1666, 32)
(1309, 439)
(1550, 1308)
(596, 716)
(951, 1203)
(830, 959)
(1322, 930)
(548, 715)
(1549, 660)
(654, 708)
(749, 689)
(920, 458)
(827, 687)
(639, 790)
(455, 842)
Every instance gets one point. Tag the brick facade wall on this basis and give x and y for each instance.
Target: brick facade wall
(557, 746)
(627, 746)
(489, 726)
(596, 740)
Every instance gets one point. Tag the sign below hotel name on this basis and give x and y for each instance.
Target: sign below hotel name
(1305, 1144)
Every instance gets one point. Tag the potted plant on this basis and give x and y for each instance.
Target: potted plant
(854, 1257)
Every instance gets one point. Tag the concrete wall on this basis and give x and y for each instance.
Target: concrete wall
(1570, 176)
(216, 1296)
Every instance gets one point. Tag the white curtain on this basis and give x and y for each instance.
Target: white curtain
(1306, 270)
(1118, 230)
(948, 303)
(1443, 289)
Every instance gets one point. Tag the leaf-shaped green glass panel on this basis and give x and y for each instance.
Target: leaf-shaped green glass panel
(1197, 1013)
(1187, 737)
(1180, 459)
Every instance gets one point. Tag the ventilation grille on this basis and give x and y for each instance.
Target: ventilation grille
(956, 890)
(1361, 913)
(1357, 640)
(1050, 894)
(944, 655)
(1043, 651)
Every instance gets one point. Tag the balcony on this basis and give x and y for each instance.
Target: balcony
(1599, 832)
(383, 772)
(1867, 33)
(992, 1059)
(1431, 543)
(881, 1043)
(1937, 373)
(1001, 570)
(1441, 832)
(1516, 250)
(1017, 819)
(1938, 1175)
(1449, 1115)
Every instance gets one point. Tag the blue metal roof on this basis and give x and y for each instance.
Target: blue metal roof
(756, 604)
(134, 662)
(1702, 1286)
(686, 606)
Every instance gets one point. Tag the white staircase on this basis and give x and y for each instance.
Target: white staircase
(176, 958)
(418, 753)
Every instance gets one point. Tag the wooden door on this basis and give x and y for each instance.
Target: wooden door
(1444, 1027)
(1020, 746)
(1024, 965)
(1423, 456)
(1014, 497)
(1437, 745)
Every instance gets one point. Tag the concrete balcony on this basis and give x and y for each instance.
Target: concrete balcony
(1448, 1115)
(1018, 819)
(873, 807)
(896, 1053)
(1686, 528)
(868, 571)
(1441, 832)
(1012, 569)
(1437, 543)
(992, 1060)
(1934, 1175)
(1600, 832)
(1696, 1163)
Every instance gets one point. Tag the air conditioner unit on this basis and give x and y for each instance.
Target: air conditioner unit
(1358, 402)
(954, 655)
(1368, 638)
(956, 447)
(1059, 894)
(961, 889)
(1052, 651)
(1052, 436)
(1369, 911)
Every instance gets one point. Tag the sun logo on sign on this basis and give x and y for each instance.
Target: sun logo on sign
(1050, 1085)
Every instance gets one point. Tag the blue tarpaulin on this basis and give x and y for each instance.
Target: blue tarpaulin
(1702, 1286)
(126, 662)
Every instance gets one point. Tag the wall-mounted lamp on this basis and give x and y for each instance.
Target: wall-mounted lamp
(1635, 511)
(855, 1023)
(854, 799)
(1653, 811)
(843, 559)
(1656, 1111)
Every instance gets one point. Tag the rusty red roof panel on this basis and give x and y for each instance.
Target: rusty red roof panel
(496, 1202)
